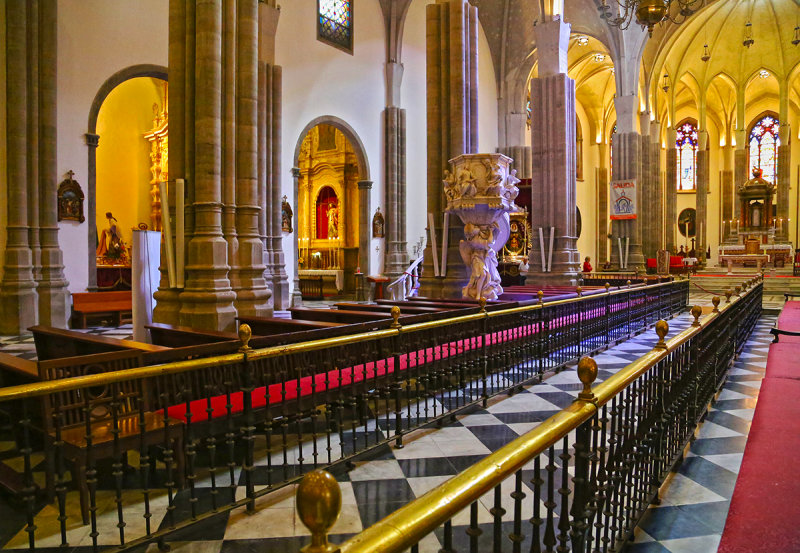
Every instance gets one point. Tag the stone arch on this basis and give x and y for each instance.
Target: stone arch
(92, 141)
(347, 131)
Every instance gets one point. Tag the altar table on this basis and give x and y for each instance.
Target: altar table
(329, 276)
(759, 259)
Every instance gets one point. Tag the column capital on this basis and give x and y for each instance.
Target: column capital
(92, 140)
(626, 108)
(295, 172)
(365, 185)
(552, 42)
(702, 140)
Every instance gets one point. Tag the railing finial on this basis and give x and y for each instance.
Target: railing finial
(587, 373)
(395, 317)
(319, 502)
(245, 333)
(628, 284)
(715, 302)
(579, 291)
(696, 312)
(738, 290)
(728, 294)
(608, 287)
(482, 303)
(540, 293)
(662, 329)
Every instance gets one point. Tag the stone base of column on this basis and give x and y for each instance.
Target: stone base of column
(396, 259)
(54, 305)
(551, 279)
(247, 280)
(207, 300)
(18, 309)
(168, 306)
(296, 299)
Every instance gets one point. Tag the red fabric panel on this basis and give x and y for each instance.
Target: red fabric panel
(782, 360)
(789, 318)
(765, 507)
(651, 263)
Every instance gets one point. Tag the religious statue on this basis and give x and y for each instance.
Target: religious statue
(377, 224)
(110, 244)
(333, 222)
(479, 256)
(286, 216)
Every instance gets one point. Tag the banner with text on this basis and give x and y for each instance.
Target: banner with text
(623, 199)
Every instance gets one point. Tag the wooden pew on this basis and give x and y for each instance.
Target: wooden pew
(100, 303)
(272, 326)
(378, 308)
(174, 336)
(55, 343)
(335, 315)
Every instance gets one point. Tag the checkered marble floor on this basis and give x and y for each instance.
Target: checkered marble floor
(388, 478)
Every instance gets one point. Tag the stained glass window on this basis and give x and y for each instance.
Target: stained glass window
(686, 144)
(764, 142)
(335, 23)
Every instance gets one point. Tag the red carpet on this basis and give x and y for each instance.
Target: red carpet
(765, 508)
(782, 361)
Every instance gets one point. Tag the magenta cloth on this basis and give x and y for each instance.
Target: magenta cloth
(765, 508)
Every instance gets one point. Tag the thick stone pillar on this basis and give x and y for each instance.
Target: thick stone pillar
(701, 202)
(394, 120)
(553, 159)
(726, 193)
(657, 190)
(602, 205)
(33, 137)
(522, 159)
(52, 286)
(741, 162)
(364, 225)
(784, 179)
(18, 301)
(207, 300)
(627, 165)
(229, 135)
(671, 193)
(452, 123)
(248, 282)
(297, 297)
(646, 211)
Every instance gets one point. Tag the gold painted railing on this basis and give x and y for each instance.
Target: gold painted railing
(630, 431)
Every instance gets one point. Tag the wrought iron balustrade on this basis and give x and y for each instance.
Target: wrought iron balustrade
(141, 453)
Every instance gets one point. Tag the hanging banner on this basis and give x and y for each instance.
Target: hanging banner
(623, 199)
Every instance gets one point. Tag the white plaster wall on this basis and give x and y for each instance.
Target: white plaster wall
(96, 38)
(318, 80)
(587, 193)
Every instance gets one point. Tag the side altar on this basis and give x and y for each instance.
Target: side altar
(753, 235)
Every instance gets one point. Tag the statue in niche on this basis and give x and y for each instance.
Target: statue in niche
(70, 200)
(333, 221)
(377, 224)
(286, 216)
(756, 221)
(110, 244)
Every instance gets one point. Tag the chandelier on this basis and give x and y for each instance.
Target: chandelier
(648, 13)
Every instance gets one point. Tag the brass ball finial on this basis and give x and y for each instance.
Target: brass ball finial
(738, 290)
(662, 329)
(482, 303)
(628, 283)
(579, 291)
(540, 293)
(715, 302)
(728, 294)
(696, 312)
(395, 317)
(608, 287)
(319, 502)
(245, 333)
(587, 373)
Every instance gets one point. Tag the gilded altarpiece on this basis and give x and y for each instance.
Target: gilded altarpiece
(159, 159)
(327, 210)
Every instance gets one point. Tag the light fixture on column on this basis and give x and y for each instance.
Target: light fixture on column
(706, 56)
(648, 13)
(748, 35)
(665, 83)
(796, 39)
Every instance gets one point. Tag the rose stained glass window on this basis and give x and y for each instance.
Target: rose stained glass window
(764, 142)
(335, 23)
(686, 144)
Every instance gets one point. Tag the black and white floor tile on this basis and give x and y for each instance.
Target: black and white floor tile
(388, 478)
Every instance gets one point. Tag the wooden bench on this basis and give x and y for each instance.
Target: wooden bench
(335, 315)
(174, 336)
(378, 308)
(115, 304)
(55, 343)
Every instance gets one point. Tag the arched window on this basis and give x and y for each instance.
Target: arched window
(764, 142)
(335, 23)
(686, 144)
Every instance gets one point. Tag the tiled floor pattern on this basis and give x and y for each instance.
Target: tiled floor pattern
(376, 487)
(391, 477)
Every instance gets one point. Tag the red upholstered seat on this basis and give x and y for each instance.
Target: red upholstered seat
(652, 263)
(765, 507)
(782, 361)
(675, 261)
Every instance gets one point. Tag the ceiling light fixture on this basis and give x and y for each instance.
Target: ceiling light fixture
(665, 83)
(764, 74)
(599, 58)
(648, 13)
(582, 40)
(748, 35)
(706, 56)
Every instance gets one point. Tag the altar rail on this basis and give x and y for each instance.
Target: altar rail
(153, 450)
(582, 479)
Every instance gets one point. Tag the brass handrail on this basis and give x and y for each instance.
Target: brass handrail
(408, 525)
(23, 391)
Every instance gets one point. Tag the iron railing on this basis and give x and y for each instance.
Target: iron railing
(582, 479)
(139, 453)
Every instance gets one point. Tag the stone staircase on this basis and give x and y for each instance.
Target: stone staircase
(775, 283)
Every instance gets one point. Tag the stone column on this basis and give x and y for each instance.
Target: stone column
(395, 163)
(522, 159)
(657, 188)
(248, 281)
(726, 189)
(784, 179)
(646, 211)
(18, 305)
(33, 137)
(671, 174)
(740, 172)
(52, 288)
(553, 158)
(364, 225)
(602, 205)
(297, 297)
(701, 204)
(229, 135)
(207, 300)
(627, 165)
